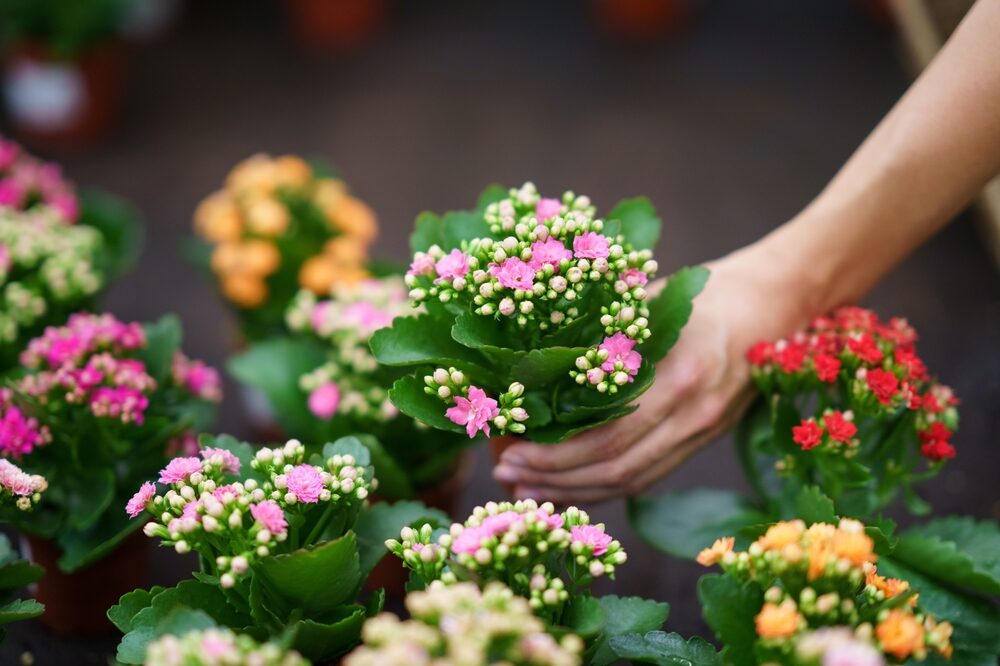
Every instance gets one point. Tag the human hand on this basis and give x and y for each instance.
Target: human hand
(701, 389)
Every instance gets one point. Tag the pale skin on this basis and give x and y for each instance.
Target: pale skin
(925, 161)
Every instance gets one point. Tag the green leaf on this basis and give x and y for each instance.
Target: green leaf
(81, 548)
(182, 620)
(120, 226)
(580, 403)
(626, 615)
(976, 621)
(17, 574)
(349, 446)
(639, 222)
(545, 366)
(539, 412)
(20, 609)
(670, 310)
(584, 616)
(683, 523)
(122, 613)
(384, 521)
(967, 549)
(663, 649)
(484, 334)
(414, 341)
(559, 432)
(462, 226)
(408, 395)
(491, 194)
(393, 481)
(322, 641)
(90, 494)
(313, 581)
(274, 367)
(427, 231)
(812, 506)
(730, 609)
(163, 339)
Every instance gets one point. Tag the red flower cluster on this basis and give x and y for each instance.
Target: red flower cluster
(874, 362)
(836, 428)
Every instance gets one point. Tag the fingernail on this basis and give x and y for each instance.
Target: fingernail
(504, 473)
(513, 459)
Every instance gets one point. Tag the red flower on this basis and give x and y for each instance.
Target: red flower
(913, 399)
(865, 348)
(853, 318)
(840, 428)
(937, 449)
(883, 384)
(760, 353)
(807, 435)
(826, 367)
(790, 356)
(915, 368)
(937, 431)
(899, 331)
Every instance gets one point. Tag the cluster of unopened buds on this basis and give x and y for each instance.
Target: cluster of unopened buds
(345, 322)
(869, 368)
(232, 522)
(218, 647)
(44, 263)
(461, 625)
(28, 183)
(17, 486)
(553, 251)
(472, 408)
(525, 545)
(824, 576)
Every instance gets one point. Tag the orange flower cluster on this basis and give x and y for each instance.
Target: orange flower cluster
(255, 232)
(825, 575)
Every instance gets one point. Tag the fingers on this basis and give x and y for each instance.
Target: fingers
(589, 495)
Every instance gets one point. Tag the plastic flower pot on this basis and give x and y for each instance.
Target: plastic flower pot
(59, 103)
(390, 574)
(76, 603)
(640, 20)
(336, 25)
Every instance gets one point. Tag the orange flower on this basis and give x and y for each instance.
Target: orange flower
(254, 175)
(354, 218)
(781, 534)
(292, 171)
(328, 193)
(255, 258)
(939, 635)
(217, 219)
(778, 621)
(854, 546)
(900, 635)
(319, 274)
(244, 290)
(710, 556)
(266, 216)
(890, 587)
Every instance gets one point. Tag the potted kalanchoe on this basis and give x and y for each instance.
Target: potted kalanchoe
(539, 318)
(323, 383)
(21, 491)
(279, 225)
(97, 406)
(57, 249)
(277, 549)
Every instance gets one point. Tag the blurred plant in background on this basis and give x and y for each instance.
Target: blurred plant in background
(217, 647)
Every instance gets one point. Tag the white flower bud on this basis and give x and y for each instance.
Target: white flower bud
(507, 307)
(240, 564)
(182, 547)
(227, 580)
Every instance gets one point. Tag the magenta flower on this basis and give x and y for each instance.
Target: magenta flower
(547, 208)
(422, 264)
(591, 245)
(270, 516)
(11, 193)
(8, 153)
(19, 434)
(324, 400)
(593, 536)
(452, 265)
(468, 542)
(306, 482)
(66, 204)
(549, 251)
(138, 503)
(230, 463)
(179, 470)
(474, 412)
(621, 350)
(514, 274)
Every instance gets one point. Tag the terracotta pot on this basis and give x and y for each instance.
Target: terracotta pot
(497, 446)
(390, 573)
(640, 20)
(57, 103)
(336, 25)
(76, 604)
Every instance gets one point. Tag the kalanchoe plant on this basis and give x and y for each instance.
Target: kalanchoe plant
(323, 383)
(538, 316)
(459, 625)
(278, 557)
(813, 595)
(217, 647)
(280, 225)
(94, 412)
(57, 250)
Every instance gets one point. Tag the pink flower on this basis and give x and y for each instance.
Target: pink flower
(190, 510)
(591, 245)
(593, 536)
(138, 503)
(8, 153)
(553, 520)
(66, 204)
(514, 274)
(468, 542)
(475, 412)
(230, 463)
(201, 380)
(547, 208)
(452, 265)
(179, 470)
(635, 278)
(17, 481)
(550, 251)
(11, 193)
(19, 434)
(852, 653)
(4, 259)
(270, 516)
(221, 492)
(499, 524)
(324, 400)
(422, 264)
(306, 482)
(183, 445)
(319, 314)
(621, 350)
(365, 317)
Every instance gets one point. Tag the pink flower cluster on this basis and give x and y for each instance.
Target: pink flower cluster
(201, 380)
(20, 483)
(83, 334)
(475, 412)
(495, 526)
(19, 434)
(26, 181)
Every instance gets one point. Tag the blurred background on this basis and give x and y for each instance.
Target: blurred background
(729, 115)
